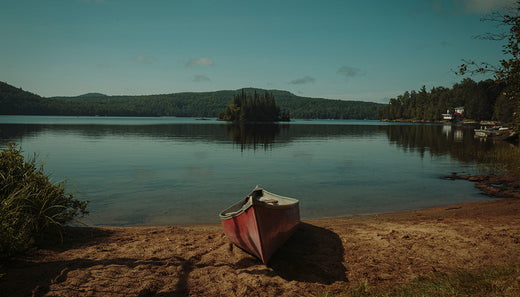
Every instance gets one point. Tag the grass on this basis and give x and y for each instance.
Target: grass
(493, 281)
(32, 208)
(502, 159)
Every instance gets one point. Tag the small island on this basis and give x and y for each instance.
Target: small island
(253, 108)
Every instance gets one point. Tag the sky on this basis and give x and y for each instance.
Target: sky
(369, 50)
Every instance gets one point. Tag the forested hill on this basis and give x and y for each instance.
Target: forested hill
(17, 101)
(188, 104)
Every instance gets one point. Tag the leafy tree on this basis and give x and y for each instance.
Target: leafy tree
(508, 71)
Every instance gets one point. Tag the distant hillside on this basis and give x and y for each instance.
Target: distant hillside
(188, 104)
(17, 101)
(92, 95)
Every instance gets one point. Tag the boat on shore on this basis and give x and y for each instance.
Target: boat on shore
(491, 132)
(261, 223)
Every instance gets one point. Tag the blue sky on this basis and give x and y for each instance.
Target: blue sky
(353, 50)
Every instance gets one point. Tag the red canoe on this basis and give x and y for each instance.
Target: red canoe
(261, 222)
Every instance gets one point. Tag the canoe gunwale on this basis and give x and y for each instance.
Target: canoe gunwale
(236, 209)
(241, 206)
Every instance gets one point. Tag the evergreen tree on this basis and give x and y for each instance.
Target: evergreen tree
(253, 108)
(478, 99)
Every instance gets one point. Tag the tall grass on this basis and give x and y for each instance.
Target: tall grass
(502, 159)
(32, 208)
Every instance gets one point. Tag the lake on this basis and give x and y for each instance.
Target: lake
(159, 171)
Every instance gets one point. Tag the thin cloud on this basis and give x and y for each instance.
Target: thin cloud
(144, 59)
(200, 78)
(303, 80)
(484, 6)
(469, 6)
(203, 61)
(348, 71)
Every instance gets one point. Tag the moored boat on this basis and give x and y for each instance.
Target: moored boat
(491, 132)
(481, 132)
(261, 223)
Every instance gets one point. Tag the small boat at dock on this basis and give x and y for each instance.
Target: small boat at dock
(261, 223)
(491, 132)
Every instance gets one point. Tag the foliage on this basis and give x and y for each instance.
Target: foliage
(478, 99)
(493, 281)
(316, 108)
(253, 108)
(508, 72)
(31, 207)
(189, 104)
(12, 99)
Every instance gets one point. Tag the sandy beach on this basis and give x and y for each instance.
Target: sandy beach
(324, 255)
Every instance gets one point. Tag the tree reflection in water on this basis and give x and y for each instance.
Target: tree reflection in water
(254, 135)
(459, 143)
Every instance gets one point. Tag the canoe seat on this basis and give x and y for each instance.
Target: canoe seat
(271, 201)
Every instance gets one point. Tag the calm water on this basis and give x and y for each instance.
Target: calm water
(151, 171)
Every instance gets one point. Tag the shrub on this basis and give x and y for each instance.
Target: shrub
(31, 206)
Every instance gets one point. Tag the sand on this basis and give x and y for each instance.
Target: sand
(324, 255)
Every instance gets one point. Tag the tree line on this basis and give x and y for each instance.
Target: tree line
(16, 101)
(482, 100)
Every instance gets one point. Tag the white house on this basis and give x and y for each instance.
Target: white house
(447, 115)
(456, 115)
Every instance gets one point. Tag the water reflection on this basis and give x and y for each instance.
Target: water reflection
(421, 138)
(437, 140)
(252, 136)
(171, 171)
(266, 136)
(190, 132)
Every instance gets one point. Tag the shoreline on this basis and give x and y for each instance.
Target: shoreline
(324, 255)
(496, 186)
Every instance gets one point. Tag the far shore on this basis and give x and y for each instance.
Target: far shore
(324, 255)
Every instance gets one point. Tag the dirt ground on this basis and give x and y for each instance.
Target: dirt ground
(322, 256)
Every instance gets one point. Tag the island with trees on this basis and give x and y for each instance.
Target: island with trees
(253, 108)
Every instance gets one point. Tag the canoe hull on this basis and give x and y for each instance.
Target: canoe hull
(261, 228)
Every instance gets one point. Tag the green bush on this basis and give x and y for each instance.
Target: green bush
(31, 206)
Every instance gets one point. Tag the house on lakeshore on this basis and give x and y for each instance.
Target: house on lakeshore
(447, 116)
(456, 116)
